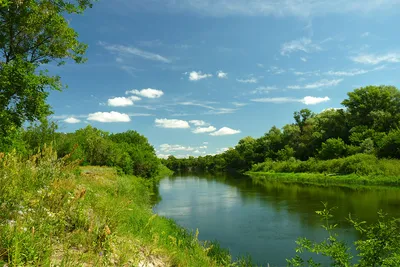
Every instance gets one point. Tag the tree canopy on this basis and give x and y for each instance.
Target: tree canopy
(369, 123)
(34, 33)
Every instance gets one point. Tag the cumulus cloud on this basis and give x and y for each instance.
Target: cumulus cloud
(121, 101)
(130, 50)
(172, 123)
(72, 120)
(204, 129)
(249, 80)
(318, 84)
(196, 76)
(311, 100)
(373, 59)
(148, 93)
(222, 75)
(199, 123)
(308, 100)
(304, 45)
(109, 117)
(225, 131)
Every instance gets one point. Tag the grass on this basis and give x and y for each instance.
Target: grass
(350, 180)
(55, 213)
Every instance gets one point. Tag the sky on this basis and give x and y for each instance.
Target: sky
(196, 76)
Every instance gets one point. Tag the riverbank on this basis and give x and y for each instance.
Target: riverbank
(55, 213)
(350, 180)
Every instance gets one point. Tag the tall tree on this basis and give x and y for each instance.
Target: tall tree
(33, 33)
(376, 107)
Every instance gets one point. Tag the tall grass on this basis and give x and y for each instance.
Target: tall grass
(360, 164)
(53, 213)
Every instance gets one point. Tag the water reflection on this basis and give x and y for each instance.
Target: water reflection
(265, 220)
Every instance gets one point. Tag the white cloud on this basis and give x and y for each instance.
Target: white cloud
(172, 123)
(307, 73)
(205, 143)
(276, 70)
(218, 111)
(304, 44)
(316, 85)
(250, 80)
(120, 102)
(308, 100)
(225, 131)
(206, 105)
(198, 75)
(72, 120)
(303, 59)
(167, 148)
(264, 89)
(109, 117)
(365, 34)
(238, 104)
(130, 50)
(208, 129)
(311, 100)
(148, 93)
(222, 75)
(260, 65)
(222, 150)
(198, 123)
(373, 59)
(347, 73)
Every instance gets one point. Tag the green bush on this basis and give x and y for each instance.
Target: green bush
(360, 164)
(379, 244)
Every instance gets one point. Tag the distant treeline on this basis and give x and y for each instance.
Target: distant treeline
(368, 124)
(130, 152)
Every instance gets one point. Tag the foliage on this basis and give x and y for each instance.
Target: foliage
(360, 164)
(369, 125)
(52, 213)
(332, 148)
(379, 244)
(33, 33)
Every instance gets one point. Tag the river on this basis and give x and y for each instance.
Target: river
(265, 221)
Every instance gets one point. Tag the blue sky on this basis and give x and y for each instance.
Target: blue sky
(196, 76)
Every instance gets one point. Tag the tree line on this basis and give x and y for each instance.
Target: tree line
(368, 123)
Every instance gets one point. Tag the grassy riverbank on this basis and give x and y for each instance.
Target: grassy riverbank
(355, 170)
(350, 180)
(55, 213)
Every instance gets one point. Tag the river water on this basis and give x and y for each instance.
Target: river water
(264, 221)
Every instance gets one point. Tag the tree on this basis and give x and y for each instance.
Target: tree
(376, 107)
(33, 33)
(333, 148)
(301, 117)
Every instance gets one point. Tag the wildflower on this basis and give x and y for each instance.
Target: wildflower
(20, 212)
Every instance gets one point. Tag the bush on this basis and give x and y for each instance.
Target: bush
(379, 244)
(361, 164)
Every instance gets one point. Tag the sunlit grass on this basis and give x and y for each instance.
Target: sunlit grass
(55, 213)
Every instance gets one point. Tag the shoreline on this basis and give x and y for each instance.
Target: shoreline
(350, 180)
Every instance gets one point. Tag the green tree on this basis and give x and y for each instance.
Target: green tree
(33, 33)
(333, 148)
(376, 107)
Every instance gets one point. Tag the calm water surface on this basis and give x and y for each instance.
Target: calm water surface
(264, 222)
